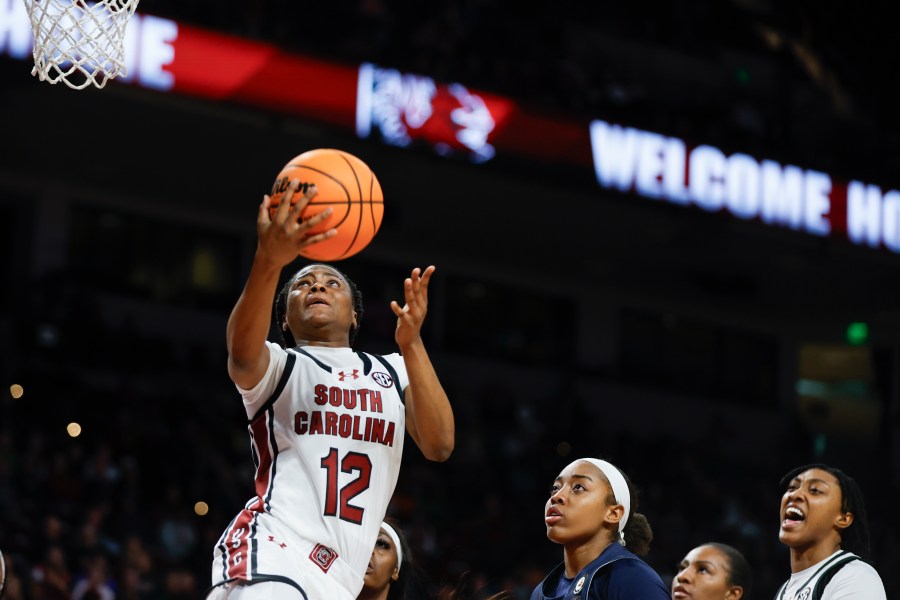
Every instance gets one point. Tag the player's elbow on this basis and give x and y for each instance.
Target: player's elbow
(246, 372)
(439, 451)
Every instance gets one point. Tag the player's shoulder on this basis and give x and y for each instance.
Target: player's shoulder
(391, 355)
(632, 573)
(392, 358)
(858, 570)
(858, 579)
(275, 348)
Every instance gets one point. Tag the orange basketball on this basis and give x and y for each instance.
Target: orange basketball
(348, 186)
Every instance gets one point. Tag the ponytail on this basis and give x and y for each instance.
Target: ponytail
(638, 534)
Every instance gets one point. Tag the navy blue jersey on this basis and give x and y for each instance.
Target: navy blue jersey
(617, 574)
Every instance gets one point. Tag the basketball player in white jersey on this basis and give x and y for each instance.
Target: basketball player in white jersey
(824, 523)
(326, 423)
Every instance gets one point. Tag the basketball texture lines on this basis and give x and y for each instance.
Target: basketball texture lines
(347, 185)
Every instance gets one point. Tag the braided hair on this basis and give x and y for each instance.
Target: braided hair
(854, 537)
(280, 308)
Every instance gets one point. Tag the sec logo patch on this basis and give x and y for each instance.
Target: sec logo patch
(383, 379)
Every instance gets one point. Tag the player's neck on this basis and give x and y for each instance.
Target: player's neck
(324, 343)
(326, 334)
(367, 594)
(804, 557)
(323, 338)
(579, 556)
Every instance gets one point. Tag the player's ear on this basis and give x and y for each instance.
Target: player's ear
(734, 593)
(844, 520)
(614, 513)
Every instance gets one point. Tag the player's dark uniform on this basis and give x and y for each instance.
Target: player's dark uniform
(617, 574)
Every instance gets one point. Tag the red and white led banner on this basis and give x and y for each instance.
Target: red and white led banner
(396, 108)
(164, 55)
(414, 110)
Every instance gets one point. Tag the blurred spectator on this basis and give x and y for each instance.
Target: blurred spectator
(95, 584)
(51, 579)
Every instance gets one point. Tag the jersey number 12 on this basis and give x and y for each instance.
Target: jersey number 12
(337, 502)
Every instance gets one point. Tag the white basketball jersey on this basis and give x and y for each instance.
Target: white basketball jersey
(849, 578)
(327, 427)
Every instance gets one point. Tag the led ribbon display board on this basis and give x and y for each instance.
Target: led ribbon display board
(657, 166)
(406, 109)
(396, 108)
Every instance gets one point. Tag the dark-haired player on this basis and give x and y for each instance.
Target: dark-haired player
(824, 523)
(712, 571)
(326, 423)
(389, 567)
(592, 513)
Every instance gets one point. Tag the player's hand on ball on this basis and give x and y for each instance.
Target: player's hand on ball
(283, 234)
(412, 315)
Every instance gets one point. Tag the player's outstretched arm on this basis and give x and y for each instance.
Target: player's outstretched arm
(429, 417)
(280, 239)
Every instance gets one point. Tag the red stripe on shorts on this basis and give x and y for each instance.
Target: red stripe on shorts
(237, 546)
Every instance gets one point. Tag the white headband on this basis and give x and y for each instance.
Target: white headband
(619, 488)
(396, 539)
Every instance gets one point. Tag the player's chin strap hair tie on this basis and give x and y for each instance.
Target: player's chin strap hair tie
(619, 488)
(396, 539)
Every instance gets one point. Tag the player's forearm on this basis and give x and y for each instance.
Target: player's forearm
(248, 325)
(431, 413)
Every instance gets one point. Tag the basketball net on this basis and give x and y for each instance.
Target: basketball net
(78, 42)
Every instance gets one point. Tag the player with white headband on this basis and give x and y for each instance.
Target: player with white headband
(591, 512)
(388, 570)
